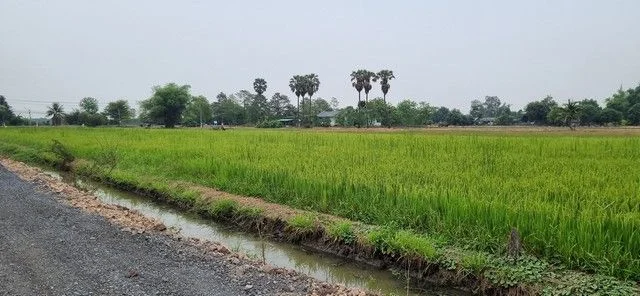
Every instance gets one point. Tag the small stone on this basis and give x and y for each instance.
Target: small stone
(159, 227)
(222, 249)
(234, 260)
(248, 287)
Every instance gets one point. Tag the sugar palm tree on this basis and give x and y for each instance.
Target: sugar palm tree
(368, 76)
(260, 86)
(56, 111)
(297, 86)
(357, 81)
(311, 84)
(384, 76)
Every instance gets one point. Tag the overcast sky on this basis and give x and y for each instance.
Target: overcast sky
(446, 53)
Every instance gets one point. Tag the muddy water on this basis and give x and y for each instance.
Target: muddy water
(321, 266)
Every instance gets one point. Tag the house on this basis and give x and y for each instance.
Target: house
(328, 117)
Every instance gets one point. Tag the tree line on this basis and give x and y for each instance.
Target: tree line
(173, 104)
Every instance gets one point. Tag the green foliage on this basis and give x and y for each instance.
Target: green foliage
(259, 86)
(571, 283)
(65, 157)
(250, 212)
(304, 222)
(223, 208)
(56, 112)
(406, 242)
(197, 112)
(119, 111)
(269, 124)
(6, 113)
(474, 261)
(89, 105)
(166, 105)
(538, 111)
(342, 231)
(634, 114)
(508, 273)
(227, 110)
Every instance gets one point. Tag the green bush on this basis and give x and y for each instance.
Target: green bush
(269, 124)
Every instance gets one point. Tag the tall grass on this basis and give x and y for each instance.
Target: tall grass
(574, 199)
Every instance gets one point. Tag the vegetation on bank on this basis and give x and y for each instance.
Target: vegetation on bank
(574, 200)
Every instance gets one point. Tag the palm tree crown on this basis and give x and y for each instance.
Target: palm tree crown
(384, 76)
(260, 85)
(56, 111)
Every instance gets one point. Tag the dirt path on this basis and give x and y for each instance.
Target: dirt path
(49, 247)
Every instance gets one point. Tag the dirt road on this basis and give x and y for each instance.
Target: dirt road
(48, 247)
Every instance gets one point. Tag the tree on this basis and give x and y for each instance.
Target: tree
(384, 76)
(619, 101)
(334, 103)
(357, 81)
(297, 86)
(441, 116)
(197, 112)
(167, 104)
(118, 111)
(425, 113)
(311, 84)
(571, 112)
(491, 106)
(227, 110)
(6, 113)
(280, 106)
(610, 116)
(538, 111)
(590, 111)
(380, 111)
(260, 86)
(477, 109)
(56, 112)
(455, 117)
(89, 105)
(367, 76)
(633, 114)
(407, 113)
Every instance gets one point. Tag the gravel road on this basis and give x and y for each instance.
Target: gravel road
(50, 248)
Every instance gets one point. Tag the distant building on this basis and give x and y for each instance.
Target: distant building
(328, 117)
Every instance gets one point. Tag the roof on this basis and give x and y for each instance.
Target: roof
(328, 114)
(285, 120)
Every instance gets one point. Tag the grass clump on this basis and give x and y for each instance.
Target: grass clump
(342, 231)
(302, 222)
(250, 212)
(474, 261)
(407, 242)
(224, 208)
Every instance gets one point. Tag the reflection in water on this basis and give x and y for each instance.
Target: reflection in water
(323, 267)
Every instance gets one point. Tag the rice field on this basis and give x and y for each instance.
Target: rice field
(575, 198)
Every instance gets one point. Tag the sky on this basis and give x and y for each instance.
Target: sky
(446, 53)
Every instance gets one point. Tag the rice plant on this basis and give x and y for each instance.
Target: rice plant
(574, 199)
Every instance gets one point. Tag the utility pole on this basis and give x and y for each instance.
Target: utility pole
(29, 116)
